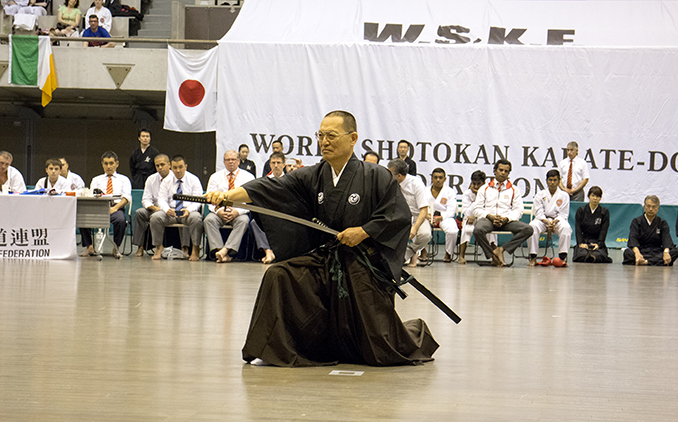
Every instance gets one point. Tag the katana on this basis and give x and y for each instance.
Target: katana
(318, 225)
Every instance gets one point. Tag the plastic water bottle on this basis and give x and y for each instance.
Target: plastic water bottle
(170, 253)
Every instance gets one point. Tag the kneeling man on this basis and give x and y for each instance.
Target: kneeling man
(551, 211)
(650, 240)
(173, 212)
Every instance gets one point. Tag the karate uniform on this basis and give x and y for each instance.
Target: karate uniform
(446, 205)
(651, 240)
(554, 207)
(15, 181)
(591, 228)
(307, 312)
(75, 182)
(416, 196)
(61, 184)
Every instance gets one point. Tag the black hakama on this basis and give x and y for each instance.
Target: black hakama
(591, 229)
(651, 240)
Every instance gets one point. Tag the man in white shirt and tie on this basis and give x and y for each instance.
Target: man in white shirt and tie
(225, 180)
(111, 183)
(150, 201)
(575, 173)
(176, 211)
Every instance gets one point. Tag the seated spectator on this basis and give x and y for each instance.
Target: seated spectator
(111, 183)
(245, 164)
(276, 146)
(10, 178)
(591, 224)
(404, 154)
(75, 182)
(371, 157)
(53, 180)
(101, 12)
(68, 17)
(551, 210)
(650, 240)
(292, 164)
(12, 7)
(149, 201)
(468, 223)
(277, 163)
(443, 204)
(96, 31)
(36, 8)
(414, 191)
(224, 180)
(499, 206)
(178, 212)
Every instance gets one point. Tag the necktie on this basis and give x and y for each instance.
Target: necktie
(231, 181)
(109, 186)
(569, 176)
(180, 204)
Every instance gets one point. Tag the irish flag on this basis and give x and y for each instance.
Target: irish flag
(31, 63)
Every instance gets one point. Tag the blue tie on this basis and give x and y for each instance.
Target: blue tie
(180, 204)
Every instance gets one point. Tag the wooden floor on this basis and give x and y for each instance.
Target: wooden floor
(136, 340)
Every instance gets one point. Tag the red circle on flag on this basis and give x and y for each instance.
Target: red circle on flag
(191, 93)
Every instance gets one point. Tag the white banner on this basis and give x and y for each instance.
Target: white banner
(190, 101)
(37, 227)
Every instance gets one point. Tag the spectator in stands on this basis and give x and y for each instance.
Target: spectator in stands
(414, 191)
(403, 154)
(442, 202)
(68, 17)
(276, 146)
(149, 201)
(96, 31)
(499, 206)
(575, 173)
(245, 164)
(467, 207)
(111, 183)
(229, 178)
(650, 240)
(53, 180)
(141, 161)
(10, 178)
(75, 182)
(551, 209)
(104, 15)
(35, 8)
(591, 224)
(177, 211)
(12, 7)
(371, 157)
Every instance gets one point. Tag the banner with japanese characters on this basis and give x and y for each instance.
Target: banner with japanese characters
(37, 227)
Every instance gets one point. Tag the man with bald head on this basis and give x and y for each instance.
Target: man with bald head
(226, 180)
(324, 304)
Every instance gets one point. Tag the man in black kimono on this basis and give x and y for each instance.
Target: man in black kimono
(650, 240)
(327, 306)
(142, 160)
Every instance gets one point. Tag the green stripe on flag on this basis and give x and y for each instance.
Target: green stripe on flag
(24, 60)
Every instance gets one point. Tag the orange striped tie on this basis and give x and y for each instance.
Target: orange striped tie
(109, 186)
(569, 177)
(231, 181)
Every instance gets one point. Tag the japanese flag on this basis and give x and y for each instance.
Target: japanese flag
(191, 97)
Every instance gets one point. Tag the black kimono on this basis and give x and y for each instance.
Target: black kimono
(142, 165)
(324, 307)
(651, 240)
(591, 229)
(248, 165)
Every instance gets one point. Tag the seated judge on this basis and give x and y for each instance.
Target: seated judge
(591, 224)
(10, 178)
(74, 181)
(499, 206)
(468, 223)
(277, 163)
(225, 180)
(443, 207)
(650, 240)
(551, 211)
(414, 191)
(371, 157)
(111, 183)
(149, 201)
(177, 211)
(53, 180)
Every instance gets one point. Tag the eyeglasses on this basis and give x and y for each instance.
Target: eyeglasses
(330, 136)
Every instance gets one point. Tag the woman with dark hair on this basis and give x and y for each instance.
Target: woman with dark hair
(68, 17)
(591, 224)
